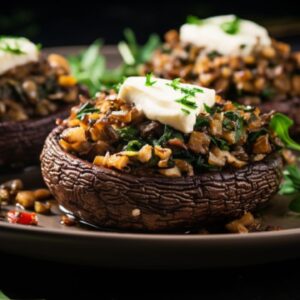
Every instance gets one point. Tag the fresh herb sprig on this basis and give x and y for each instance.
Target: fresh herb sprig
(194, 20)
(134, 54)
(231, 27)
(189, 94)
(13, 49)
(85, 109)
(90, 69)
(185, 101)
(149, 81)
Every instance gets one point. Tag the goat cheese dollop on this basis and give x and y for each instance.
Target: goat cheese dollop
(166, 101)
(16, 52)
(227, 35)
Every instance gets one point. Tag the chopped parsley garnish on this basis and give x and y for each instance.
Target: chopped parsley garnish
(185, 111)
(222, 144)
(194, 20)
(238, 121)
(213, 54)
(190, 91)
(169, 133)
(134, 145)
(212, 109)
(127, 133)
(201, 122)
(175, 84)
(231, 27)
(185, 101)
(188, 100)
(253, 136)
(149, 81)
(12, 49)
(86, 109)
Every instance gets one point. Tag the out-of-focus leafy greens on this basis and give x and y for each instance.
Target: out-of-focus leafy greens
(89, 67)
(291, 186)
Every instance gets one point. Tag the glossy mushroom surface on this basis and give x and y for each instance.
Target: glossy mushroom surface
(121, 201)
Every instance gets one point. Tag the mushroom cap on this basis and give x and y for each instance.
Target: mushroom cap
(22, 142)
(115, 200)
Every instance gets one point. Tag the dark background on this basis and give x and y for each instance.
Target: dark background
(56, 23)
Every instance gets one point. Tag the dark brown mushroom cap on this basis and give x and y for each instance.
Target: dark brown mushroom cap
(21, 142)
(112, 199)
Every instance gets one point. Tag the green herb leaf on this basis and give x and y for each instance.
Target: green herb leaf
(222, 144)
(149, 81)
(187, 102)
(213, 54)
(212, 109)
(127, 133)
(238, 122)
(16, 50)
(231, 27)
(280, 124)
(169, 133)
(175, 84)
(134, 145)
(201, 122)
(86, 109)
(253, 136)
(194, 20)
(185, 111)
(133, 54)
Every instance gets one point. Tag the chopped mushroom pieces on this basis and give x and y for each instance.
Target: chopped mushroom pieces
(240, 225)
(199, 142)
(225, 135)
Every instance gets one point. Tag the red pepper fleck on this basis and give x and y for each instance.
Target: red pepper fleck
(21, 217)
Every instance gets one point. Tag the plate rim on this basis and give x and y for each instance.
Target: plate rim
(285, 233)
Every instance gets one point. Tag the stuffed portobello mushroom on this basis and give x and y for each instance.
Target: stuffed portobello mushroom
(235, 57)
(161, 155)
(35, 90)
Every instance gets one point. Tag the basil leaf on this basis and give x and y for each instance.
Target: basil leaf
(280, 124)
